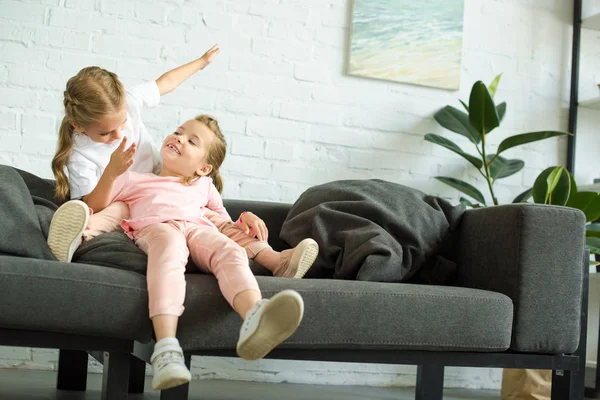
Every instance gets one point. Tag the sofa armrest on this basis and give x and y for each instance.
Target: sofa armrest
(272, 213)
(533, 254)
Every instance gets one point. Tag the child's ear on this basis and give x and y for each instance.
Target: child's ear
(77, 127)
(204, 171)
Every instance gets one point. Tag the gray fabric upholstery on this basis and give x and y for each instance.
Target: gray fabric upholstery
(21, 233)
(42, 295)
(272, 213)
(359, 315)
(533, 254)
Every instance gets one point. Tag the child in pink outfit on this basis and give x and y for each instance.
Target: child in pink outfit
(167, 219)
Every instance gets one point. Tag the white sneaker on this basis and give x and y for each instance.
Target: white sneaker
(269, 323)
(296, 262)
(66, 229)
(168, 366)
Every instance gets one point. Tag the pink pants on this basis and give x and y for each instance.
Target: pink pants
(169, 245)
(110, 218)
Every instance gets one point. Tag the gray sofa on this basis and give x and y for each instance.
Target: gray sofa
(519, 301)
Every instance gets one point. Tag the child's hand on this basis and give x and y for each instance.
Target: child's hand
(121, 159)
(253, 226)
(210, 55)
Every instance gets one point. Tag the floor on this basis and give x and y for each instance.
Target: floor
(39, 385)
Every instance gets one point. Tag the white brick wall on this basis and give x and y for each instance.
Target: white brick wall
(293, 118)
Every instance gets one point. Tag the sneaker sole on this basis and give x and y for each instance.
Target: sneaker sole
(178, 377)
(279, 320)
(307, 257)
(66, 229)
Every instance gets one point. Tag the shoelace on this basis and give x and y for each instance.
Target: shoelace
(252, 313)
(167, 358)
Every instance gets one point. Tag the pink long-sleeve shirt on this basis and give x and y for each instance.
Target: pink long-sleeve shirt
(153, 199)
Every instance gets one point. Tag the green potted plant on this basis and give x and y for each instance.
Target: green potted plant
(482, 116)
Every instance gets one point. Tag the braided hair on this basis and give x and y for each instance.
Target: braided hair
(89, 95)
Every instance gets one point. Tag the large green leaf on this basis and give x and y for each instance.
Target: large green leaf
(592, 234)
(469, 203)
(573, 184)
(457, 121)
(494, 85)
(501, 109)
(588, 202)
(464, 187)
(593, 244)
(450, 145)
(482, 110)
(502, 167)
(592, 230)
(561, 192)
(523, 197)
(523, 138)
(552, 181)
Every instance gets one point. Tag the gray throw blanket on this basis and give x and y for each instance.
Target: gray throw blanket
(27, 207)
(25, 214)
(375, 230)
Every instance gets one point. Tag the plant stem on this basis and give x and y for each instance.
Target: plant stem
(487, 170)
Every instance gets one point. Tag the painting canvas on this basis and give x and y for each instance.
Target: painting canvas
(414, 41)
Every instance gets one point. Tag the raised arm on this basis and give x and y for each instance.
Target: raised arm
(170, 80)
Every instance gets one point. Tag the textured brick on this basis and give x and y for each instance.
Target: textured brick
(247, 166)
(152, 12)
(117, 7)
(272, 47)
(22, 55)
(17, 98)
(247, 146)
(279, 150)
(320, 114)
(276, 128)
(131, 47)
(8, 120)
(244, 105)
(274, 9)
(82, 21)
(10, 31)
(253, 63)
(24, 12)
(84, 5)
(37, 126)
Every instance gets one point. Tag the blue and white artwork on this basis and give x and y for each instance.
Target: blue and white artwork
(413, 41)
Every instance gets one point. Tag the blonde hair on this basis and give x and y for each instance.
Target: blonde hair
(90, 95)
(218, 150)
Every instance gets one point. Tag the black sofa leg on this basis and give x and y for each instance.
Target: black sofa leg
(137, 374)
(567, 385)
(115, 377)
(72, 370)
(430, 382)
(179, 392)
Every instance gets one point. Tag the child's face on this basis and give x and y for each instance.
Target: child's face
(107, 129)
(185, 151)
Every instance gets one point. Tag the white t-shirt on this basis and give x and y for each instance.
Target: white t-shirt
(89, 159)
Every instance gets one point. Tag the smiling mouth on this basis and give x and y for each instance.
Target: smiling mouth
(170, 146)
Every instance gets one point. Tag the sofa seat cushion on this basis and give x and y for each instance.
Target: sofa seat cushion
(41, 295)
(359, 315)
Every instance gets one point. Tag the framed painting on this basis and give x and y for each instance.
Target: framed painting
(412, 41)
